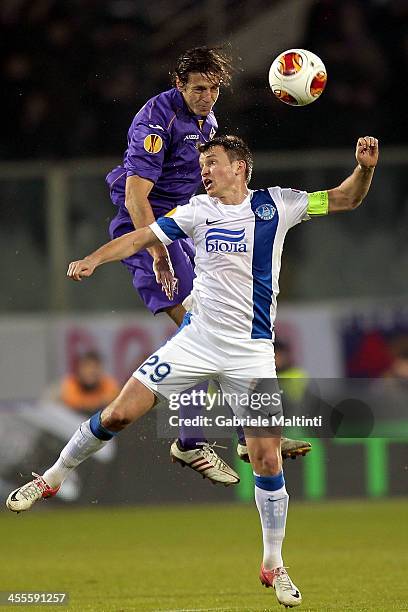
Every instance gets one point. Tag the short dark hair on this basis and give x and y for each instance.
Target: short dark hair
(235, 148)
(214, 62)
(91, 355)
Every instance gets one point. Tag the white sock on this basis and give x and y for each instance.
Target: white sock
(81, 446)
(273, 509)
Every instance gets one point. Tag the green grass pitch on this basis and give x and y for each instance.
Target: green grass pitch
(342, 555)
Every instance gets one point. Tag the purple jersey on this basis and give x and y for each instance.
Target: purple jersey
(162, 147)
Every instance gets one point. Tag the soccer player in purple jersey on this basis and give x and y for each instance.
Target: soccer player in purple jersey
(160, 170)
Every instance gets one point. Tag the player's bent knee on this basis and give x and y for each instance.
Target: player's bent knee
(271, 464)
(133, 402)
(115, 417)
(267, 463)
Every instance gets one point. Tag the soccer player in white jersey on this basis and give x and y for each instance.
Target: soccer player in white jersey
(239, 236)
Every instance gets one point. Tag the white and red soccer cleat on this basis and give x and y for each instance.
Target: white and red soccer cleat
(205, 461)
(24, 497)
(286, 592)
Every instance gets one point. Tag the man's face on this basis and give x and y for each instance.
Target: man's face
(199, 93)
(218, 173)
(89, 373)
(282, 359)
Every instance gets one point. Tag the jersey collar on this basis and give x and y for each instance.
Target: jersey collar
(247, 200)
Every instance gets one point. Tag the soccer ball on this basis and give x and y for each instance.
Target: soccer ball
(297, 77)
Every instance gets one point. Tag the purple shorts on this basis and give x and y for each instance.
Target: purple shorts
(140, 266)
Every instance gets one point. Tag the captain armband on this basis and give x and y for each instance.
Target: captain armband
(318, 203)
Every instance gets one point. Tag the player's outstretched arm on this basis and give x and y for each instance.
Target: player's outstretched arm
(117, 249)
(351, 192)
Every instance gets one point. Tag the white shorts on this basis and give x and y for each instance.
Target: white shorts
(195, 355)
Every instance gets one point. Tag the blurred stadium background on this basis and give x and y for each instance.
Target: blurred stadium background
(73, 74)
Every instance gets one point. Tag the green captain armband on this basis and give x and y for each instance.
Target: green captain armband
(318, 203)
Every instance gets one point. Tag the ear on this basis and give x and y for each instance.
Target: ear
(179, 84)
(241, 166)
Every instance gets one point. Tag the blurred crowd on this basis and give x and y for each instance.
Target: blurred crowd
(87, 388)
(364, 45)
(74, 72)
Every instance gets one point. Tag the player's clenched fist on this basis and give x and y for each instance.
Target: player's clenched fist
(367, 151)
(77, 270)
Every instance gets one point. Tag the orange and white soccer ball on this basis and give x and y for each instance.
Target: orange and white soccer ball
(297, 77)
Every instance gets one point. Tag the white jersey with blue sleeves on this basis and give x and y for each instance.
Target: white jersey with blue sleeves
(238, 256)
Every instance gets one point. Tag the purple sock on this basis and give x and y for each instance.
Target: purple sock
(189, 436)
(241, 435)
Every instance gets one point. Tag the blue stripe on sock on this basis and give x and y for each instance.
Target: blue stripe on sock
(270, 483)
(98, 430)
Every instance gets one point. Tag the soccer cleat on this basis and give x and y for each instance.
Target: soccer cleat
(294, 448)
(286, 592)
(25, 497)
(289, 448)
(205, 461)
(242, 452)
